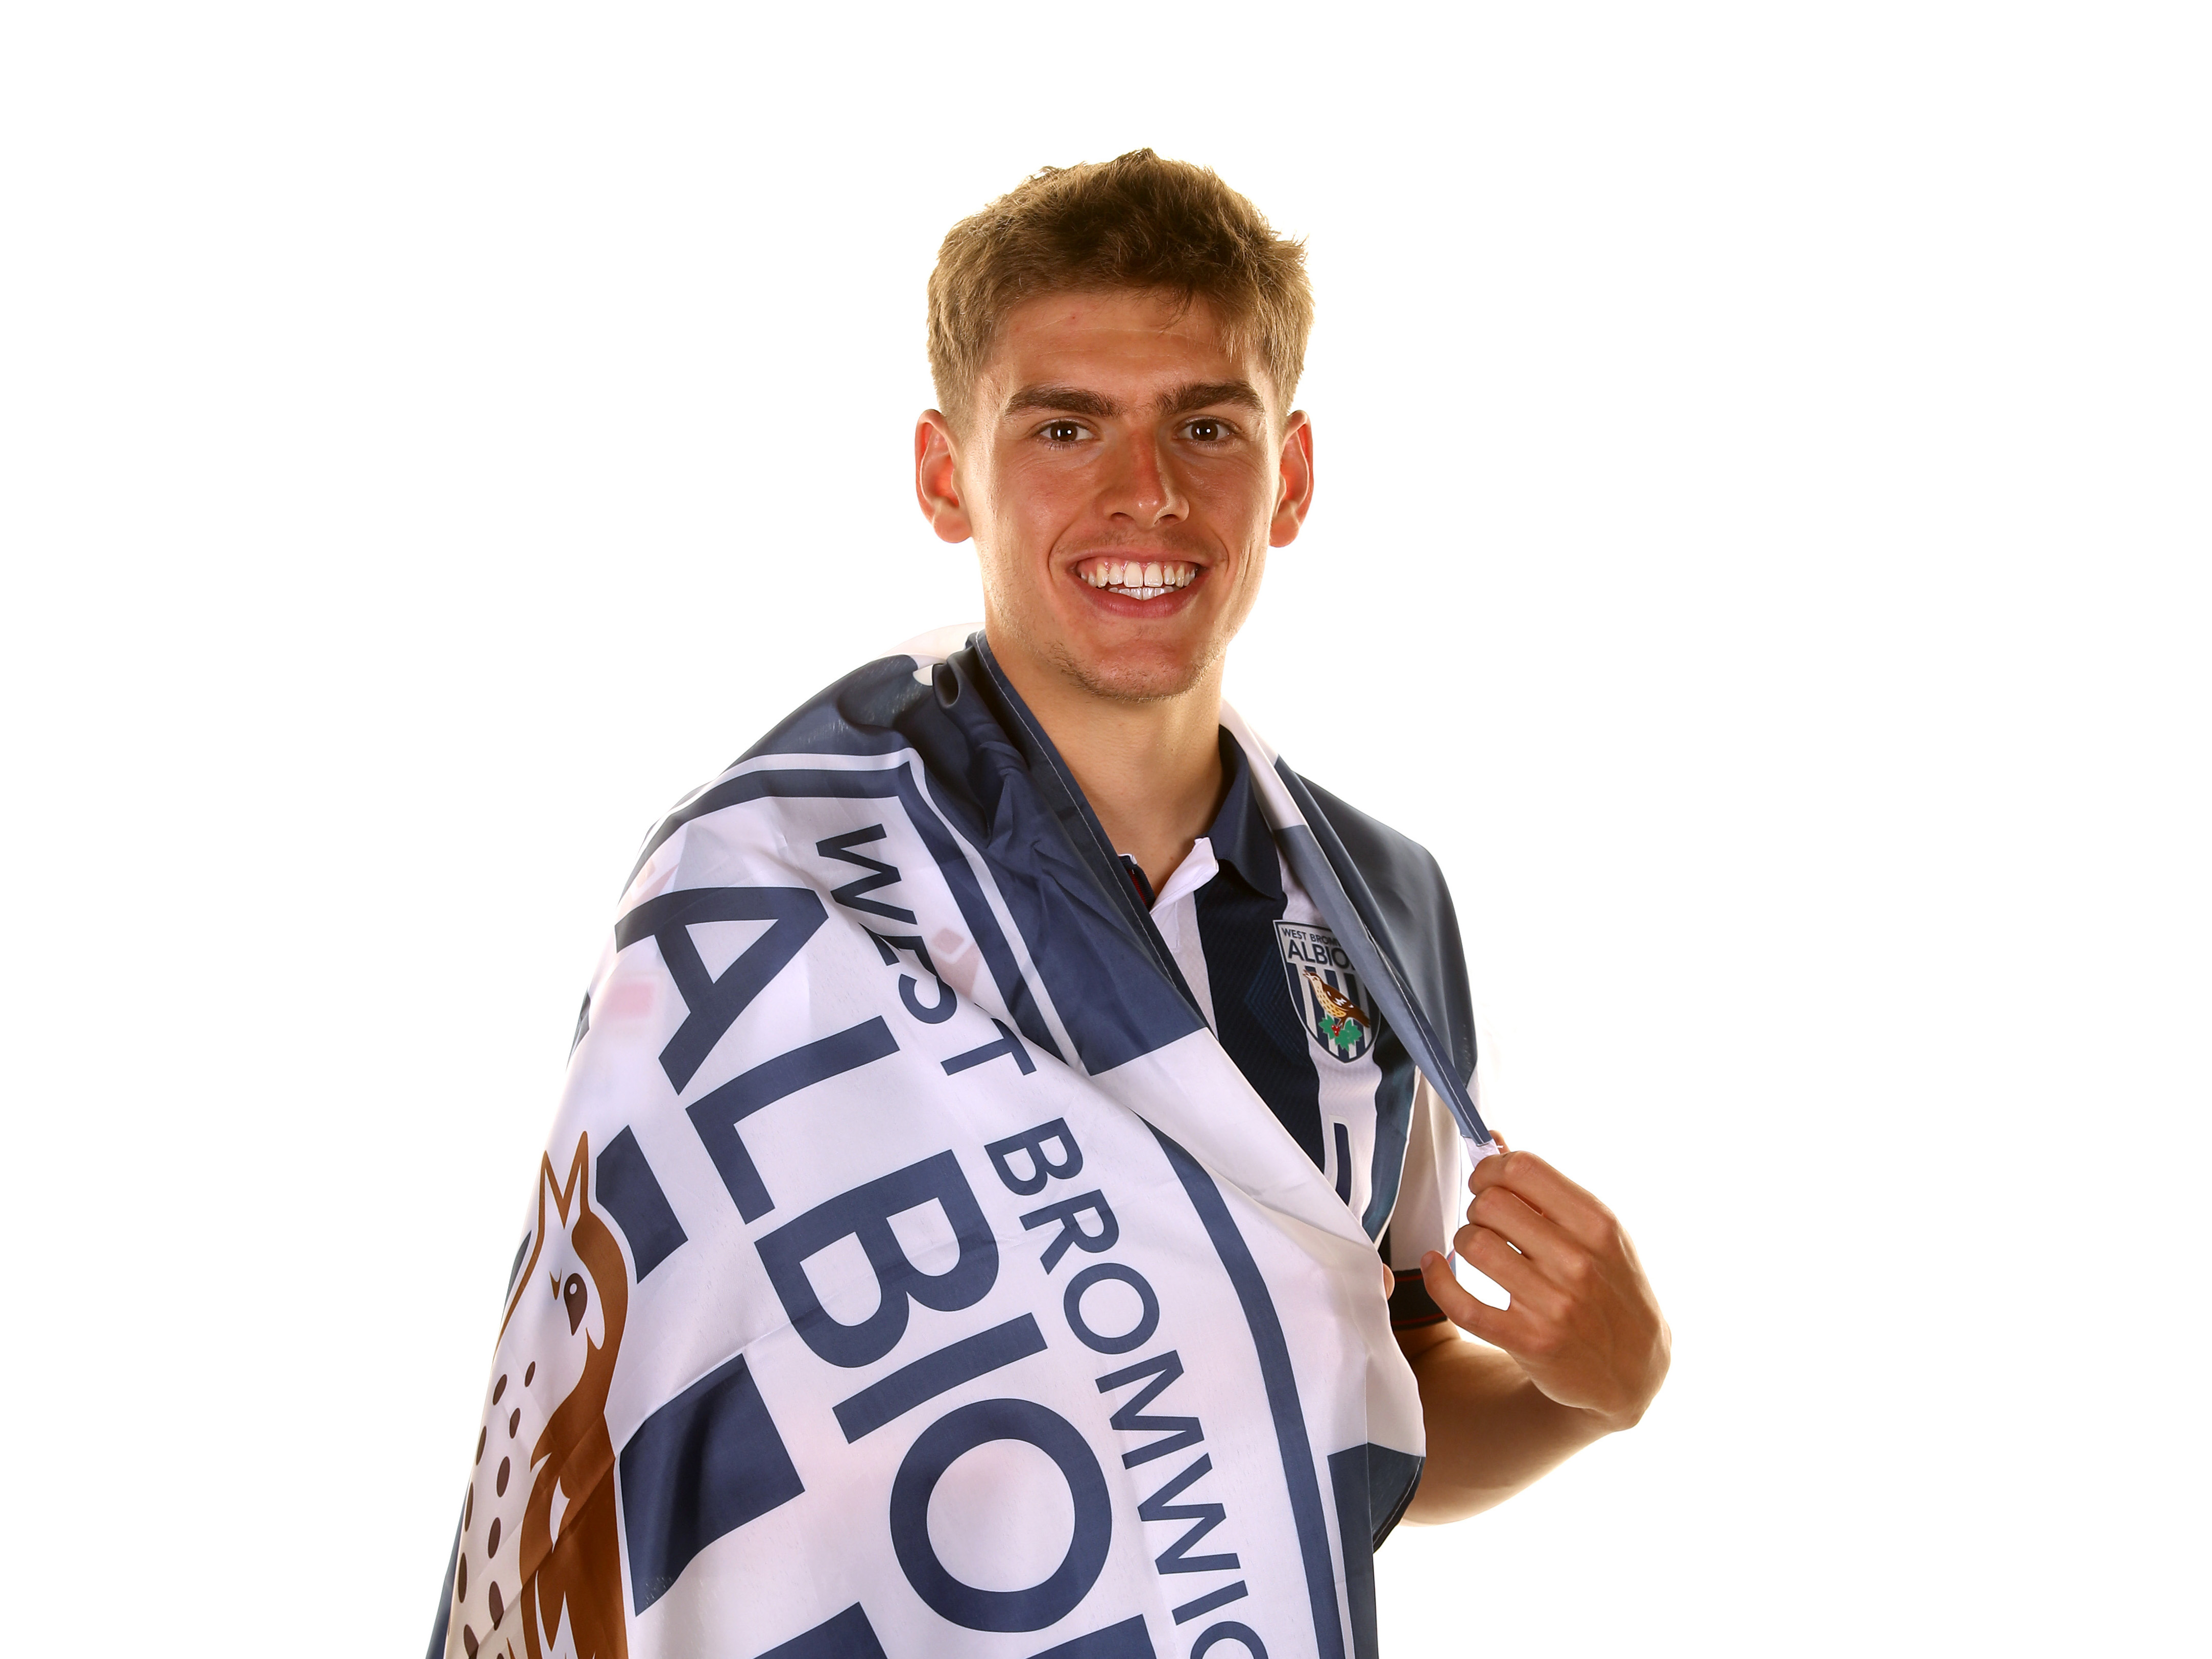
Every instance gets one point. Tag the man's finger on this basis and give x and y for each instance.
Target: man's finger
(1460, 1305)
(1507, 1268)
(1574, 1209)
(1506, 1213)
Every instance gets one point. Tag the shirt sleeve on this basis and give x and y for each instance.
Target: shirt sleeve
(1432, 1206)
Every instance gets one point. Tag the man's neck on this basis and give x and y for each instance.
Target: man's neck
(1152, 771)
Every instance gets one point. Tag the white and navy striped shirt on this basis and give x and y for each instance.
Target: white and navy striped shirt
(1244, 932)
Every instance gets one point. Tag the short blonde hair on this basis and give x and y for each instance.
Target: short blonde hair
(1136, 222)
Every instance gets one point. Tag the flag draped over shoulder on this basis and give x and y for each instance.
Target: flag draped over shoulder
(910, 1271)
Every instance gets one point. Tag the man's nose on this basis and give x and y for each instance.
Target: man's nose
(1142, 486)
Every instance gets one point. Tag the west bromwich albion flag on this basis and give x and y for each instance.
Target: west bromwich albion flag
(910, 1271)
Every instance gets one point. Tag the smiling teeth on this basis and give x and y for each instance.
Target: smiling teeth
(1138, 579)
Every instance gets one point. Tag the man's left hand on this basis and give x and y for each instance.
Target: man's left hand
(1581, 1322)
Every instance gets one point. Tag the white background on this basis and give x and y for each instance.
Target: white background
(1760, 548)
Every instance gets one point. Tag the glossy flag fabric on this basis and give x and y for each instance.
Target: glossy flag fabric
(909, 1271)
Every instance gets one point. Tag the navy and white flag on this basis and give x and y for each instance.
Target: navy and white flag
(910, 1271)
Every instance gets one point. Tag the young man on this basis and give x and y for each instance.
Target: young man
(960, 1231)
(1116, 348)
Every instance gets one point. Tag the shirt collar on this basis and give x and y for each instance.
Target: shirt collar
(1242, 840)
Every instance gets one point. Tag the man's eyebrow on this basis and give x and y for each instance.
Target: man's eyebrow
(1062, 400)
(1201, 394)
(1195, 394)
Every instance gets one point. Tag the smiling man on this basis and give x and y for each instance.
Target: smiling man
(1017, 1135)
(1115, 350)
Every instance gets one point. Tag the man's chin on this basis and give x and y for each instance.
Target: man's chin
(1147, 678)
(1127, 670)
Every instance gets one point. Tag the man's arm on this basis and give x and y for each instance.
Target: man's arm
(1578, 1352)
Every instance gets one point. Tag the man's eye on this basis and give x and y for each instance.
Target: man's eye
(1205, 432)
(1062, 431)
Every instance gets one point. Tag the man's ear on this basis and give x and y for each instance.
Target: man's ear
(937, 478)
(1294, 481)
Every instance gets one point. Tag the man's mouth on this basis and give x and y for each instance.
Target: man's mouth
(1137, 579)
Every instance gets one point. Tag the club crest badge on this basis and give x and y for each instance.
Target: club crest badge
(1325, 991)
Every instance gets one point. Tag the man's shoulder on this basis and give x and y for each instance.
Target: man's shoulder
(883, 706)
(859, 713)
(1387, 858)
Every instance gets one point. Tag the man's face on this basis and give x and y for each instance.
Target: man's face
(1123, 476)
